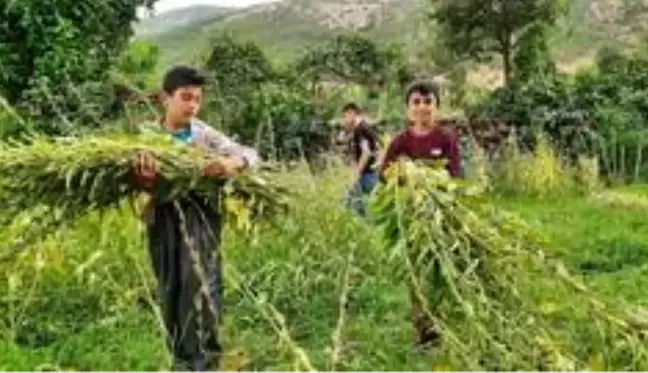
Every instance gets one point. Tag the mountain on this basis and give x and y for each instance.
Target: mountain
(174, 19)
(283, 28)
(592, 24)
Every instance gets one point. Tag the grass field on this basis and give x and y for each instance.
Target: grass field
(85, 299)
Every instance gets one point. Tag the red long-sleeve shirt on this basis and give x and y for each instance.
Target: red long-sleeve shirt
(438, 144)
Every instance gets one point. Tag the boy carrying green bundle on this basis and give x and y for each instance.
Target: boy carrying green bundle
(426, 140)
(184, 234)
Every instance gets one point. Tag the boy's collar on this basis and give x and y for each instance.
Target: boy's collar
(423, 131)
(163, 125)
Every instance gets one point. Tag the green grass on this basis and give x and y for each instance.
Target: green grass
(607, 244)
(86, 298)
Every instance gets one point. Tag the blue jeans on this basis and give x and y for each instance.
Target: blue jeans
(361, 189)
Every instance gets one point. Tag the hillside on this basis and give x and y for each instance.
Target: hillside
(175, 19)
(285, 27)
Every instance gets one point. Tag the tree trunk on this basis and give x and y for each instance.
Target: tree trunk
(506, 59)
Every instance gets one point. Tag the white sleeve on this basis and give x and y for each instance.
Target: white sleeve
(222, 144)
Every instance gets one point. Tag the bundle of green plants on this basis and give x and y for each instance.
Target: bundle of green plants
(499, 300)
(48, 182)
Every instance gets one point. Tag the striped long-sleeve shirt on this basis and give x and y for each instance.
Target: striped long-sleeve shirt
(207, 138)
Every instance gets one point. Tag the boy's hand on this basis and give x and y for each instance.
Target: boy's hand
(225, 167)
(146, 169)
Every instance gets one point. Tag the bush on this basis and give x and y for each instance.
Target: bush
(53, 54)
(263, 105)
(599, 112)
(542, 172)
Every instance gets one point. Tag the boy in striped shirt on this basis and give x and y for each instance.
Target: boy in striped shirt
(191, 293)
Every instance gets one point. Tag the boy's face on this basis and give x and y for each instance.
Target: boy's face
(183, 104)
(421, 108)
(349, 119)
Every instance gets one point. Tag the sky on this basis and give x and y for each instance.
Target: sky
(163, 5)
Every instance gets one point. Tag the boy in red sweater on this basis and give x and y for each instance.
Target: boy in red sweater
(424, 139)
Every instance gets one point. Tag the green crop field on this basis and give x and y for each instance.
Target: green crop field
(85, 298)
(544, 267)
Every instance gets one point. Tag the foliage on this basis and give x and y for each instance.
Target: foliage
(270, 107)
(85, 299)
(476, 270)
(353, 58)
(130, 80)
(55, 53)
(543, 172)
(237, 69)
(236, 64)
(478, 29)
(136, 65)
(600, 111)
(58, 181)
(533, 58)
(288, 125)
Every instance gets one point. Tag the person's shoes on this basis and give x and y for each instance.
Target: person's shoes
(427, 333)
(195, 365)
(213, 362)
(428, 338)
(181, 366)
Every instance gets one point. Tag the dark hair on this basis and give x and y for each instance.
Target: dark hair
(423, 87)
(182, 76)
(351, 106)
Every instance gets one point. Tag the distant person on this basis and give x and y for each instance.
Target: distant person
(364, 147)
(191, 304)
(424, 139)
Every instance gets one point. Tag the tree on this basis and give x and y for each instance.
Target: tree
(477, 29)
(137, 64)
(132, 75)
(355, 59)
(236, 69)
(533, 58)
(237, 64)
(261, 105)
(50, 48)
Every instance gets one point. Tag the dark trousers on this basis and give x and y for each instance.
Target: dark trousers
(184, 237)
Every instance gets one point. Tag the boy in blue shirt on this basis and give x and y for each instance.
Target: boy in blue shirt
(190, 292)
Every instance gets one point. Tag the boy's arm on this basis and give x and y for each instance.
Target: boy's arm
(454, 155)
(226, 145)
(365, 154)
(390, 156)
(222, 144)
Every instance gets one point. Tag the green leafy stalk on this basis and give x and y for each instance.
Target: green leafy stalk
(59, 180)
(482, 277)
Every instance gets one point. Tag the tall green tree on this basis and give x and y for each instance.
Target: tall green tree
(480, 29)
(49, 48)
(136, 65)
(355, 59)
(237, 64)
(533, 58)
(237, 69)
(269, 107)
